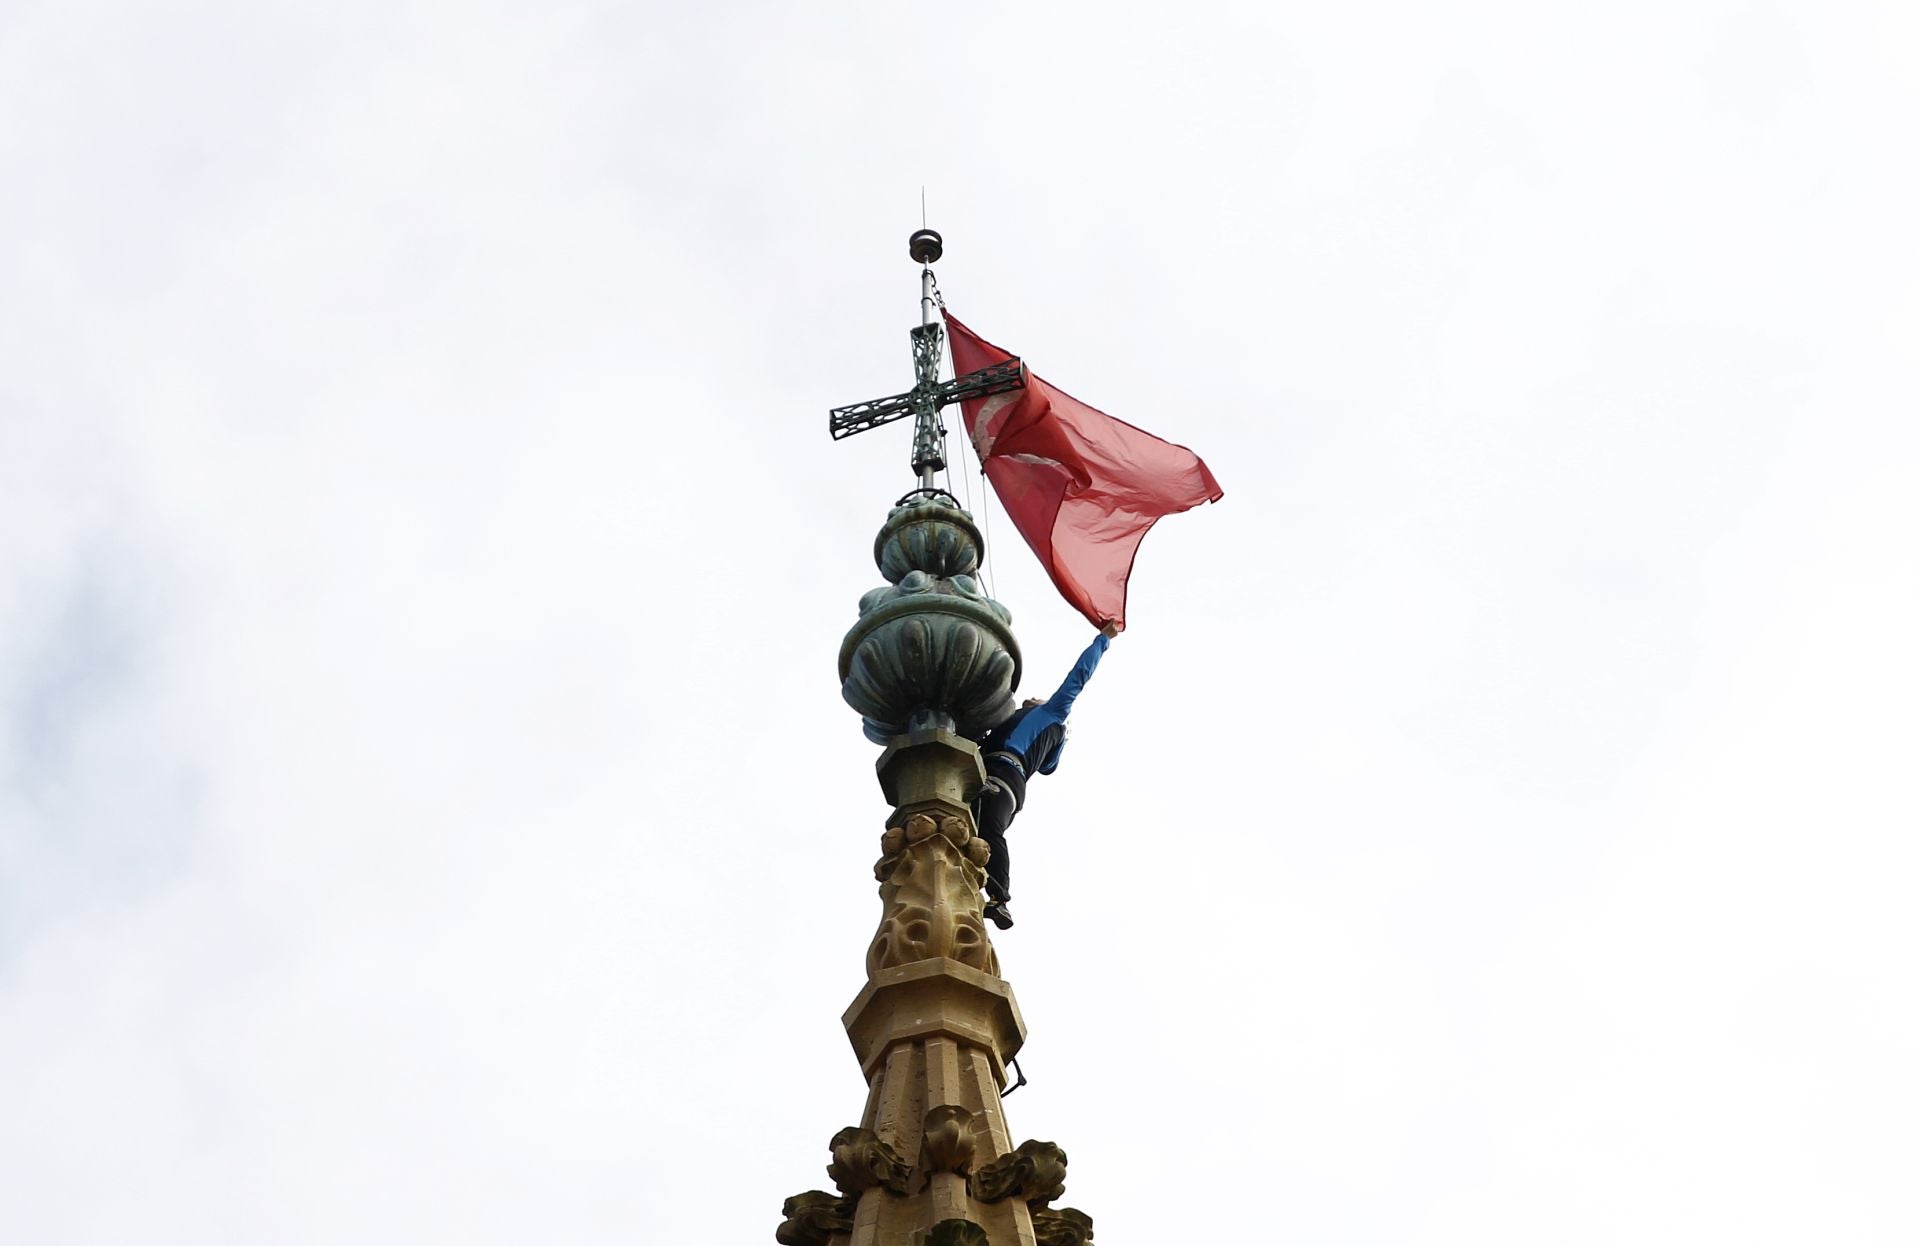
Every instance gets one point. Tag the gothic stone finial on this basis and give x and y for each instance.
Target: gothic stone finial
(861, 1161)
(1033, 1171)
(930, 885)
(1066, 1226)
(956, 1233)
(813, 1218)
(947, 1140)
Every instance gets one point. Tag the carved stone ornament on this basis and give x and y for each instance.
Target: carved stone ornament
(930, 889)
(956, 1233)
(1034, 1171)
(1066, 1226)
(813, 1218)
(861, 1161)
(947, 1140)
(930, 649)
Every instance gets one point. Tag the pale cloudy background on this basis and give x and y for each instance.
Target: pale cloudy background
(426, 810)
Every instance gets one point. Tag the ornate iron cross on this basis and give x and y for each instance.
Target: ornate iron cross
(929, 393)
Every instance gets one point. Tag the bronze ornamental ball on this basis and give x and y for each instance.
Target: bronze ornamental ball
(924, 246)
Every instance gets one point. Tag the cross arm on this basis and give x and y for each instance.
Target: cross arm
(860, 416)
(996, 378)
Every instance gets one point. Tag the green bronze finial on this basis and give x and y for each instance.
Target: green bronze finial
(930, 650)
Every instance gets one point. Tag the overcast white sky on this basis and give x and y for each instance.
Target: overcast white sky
(426, 809)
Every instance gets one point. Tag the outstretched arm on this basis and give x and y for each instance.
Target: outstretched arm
(1062, 701)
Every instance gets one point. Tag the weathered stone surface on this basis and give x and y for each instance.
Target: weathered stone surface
(957, 1233)
(931, 892)
(813, 1218)
(947, 1140)
(933, 770)
(861, 1161)
(930, 664)
(931, 998)
(1035, 1172)
(1065, 1226)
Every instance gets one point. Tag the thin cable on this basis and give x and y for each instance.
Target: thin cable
(946, 458)
(966, 444)
(986, 534)
(986, 493)
(986, 500)
(985, 514)
(1020, 1073)
(966, 487)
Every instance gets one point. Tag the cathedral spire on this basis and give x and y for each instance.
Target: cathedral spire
(931, 664)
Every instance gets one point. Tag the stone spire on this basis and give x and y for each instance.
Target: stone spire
(930, 662)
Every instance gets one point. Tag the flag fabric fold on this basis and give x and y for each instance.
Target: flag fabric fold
(1082, 486)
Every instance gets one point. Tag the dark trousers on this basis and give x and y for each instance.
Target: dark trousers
(993, 814)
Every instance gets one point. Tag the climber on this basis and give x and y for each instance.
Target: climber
(1025, 743)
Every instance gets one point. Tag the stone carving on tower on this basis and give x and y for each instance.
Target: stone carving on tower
(930, 662)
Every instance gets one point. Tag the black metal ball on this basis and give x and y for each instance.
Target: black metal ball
(924, 246)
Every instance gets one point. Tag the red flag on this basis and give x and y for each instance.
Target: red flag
(1081, 486)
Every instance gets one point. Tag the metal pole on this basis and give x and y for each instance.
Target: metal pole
(926, 318)
(925, 248)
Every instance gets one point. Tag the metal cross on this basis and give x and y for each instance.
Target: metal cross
(929, 393)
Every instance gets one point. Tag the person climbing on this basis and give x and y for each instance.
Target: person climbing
(1025, 743)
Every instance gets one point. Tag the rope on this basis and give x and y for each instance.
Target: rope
(966, 437)
(986, 502)
(966, 487)
(986, 533)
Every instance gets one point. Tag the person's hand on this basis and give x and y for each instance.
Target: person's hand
(1110, 630)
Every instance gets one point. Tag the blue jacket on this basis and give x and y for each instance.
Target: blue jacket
(1030, 727)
